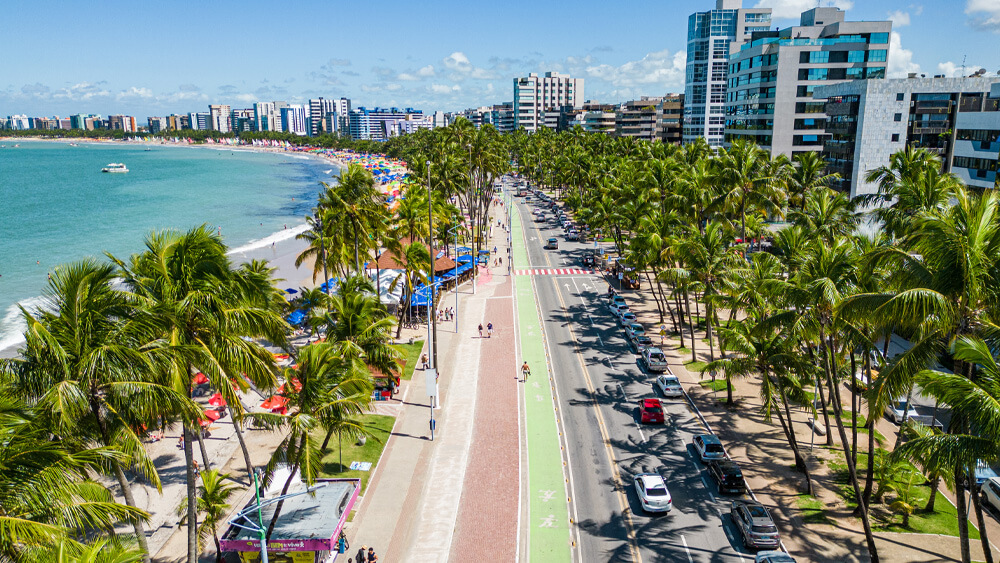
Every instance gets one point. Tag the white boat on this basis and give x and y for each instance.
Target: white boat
(115, 167)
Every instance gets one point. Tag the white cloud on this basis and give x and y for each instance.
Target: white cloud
(133, 92)
(445, 89)
(82, 91)
(899, 18)
(984, 14)
(655, 69)
(949, 68)
(426, 71)
(461, 67)
(457, 61)
(792, 9)
(900, 60)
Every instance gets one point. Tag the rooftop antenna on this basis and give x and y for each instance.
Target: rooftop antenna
(963, 65)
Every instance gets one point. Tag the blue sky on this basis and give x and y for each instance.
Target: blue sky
(154, 58)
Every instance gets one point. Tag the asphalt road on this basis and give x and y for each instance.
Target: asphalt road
(599, 385)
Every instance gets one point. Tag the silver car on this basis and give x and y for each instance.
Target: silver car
(653, 493)
(755, 524)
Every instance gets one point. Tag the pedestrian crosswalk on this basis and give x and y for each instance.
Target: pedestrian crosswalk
(554, 272)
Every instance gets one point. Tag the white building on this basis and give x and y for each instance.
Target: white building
(976, 158)
(535, 95)
(712, 35)
(266, 117)
(293, 119)
(219, 116)
(17, 123)
(319, 108)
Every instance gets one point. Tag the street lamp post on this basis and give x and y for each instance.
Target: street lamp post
(322, 253)
(475, 227)
(431, 313)
(455, 230)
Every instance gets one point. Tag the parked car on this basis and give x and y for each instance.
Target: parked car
(616, 301)
(755, 524)
(651, 411)
(653, 493)
(708, 447)
(896, 409)
(669, 385)
(772, 556)
(990, 490)
(727, 476)
(634, 329)
(654, 360)
(573, 235)
(984, 472)
(626, 318)
(619, 309)
(640, 343)
(552, 244)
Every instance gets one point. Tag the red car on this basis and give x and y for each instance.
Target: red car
(651, 411)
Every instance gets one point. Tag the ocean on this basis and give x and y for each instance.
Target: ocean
(56, 206)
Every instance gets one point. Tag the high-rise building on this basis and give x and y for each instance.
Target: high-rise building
(177, 122)
(318, 110)
(198, 121)
(122, 122)
(869, 120)
(501, 116)
(17, 123)
(711, 37)
(377, 124)
(266, 117)
(772, 78)
(219, 118)
(671, 126)
(535, 95)
(242, 120)
(157, 124)
(293, 119)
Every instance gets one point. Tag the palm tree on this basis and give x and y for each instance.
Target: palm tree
(46, 497)
(204, 311)
(747, 179)
(354, 206)
(213, 502)
(331, 387)
(806, 176)
(87, 365)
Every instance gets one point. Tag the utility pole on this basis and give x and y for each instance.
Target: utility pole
(476, 241)
(431, 313)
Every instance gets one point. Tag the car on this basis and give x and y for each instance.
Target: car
(654, 360)
(772, 556)
(727, 476)
(589, 260)
(616, 301)
(573, 235)
(984, 472)
(552, 244)
(708, 447)
(896, 410)
(669, 385)
(651, 411)
(653, 493)
(626, 318)
(755, 524)
(634, 329)
(619, 309)
(640, 343)
(990, 491)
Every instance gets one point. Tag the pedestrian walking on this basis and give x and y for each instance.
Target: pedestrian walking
(423, 359)
(480, 330)
(525, 370)
(362, 554)
(489, 330)
(372, 558)
(501, 260)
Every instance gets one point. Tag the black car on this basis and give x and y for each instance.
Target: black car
(728, 476)
(589, 261)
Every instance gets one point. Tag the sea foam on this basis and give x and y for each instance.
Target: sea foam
(282, 235)
(12, 326)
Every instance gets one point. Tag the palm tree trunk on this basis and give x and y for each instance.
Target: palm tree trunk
(870, 468)
(140, 533)
(829, 365)
(855, 407)
(963, 513)
(822, 401)
(711, 341)
(204, 452)
(192, 498)
(789, 428)
(687, 298)
(218, 548)
(983, 536)
(935, 485)
(656, 298)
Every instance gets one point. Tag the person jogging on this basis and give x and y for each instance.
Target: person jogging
(525, 370)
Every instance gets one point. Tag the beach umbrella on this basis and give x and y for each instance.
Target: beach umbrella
(212, 415)
(291, 290)
(217, 400)
(200, 378)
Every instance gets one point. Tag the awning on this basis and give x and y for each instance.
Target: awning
(212, 415)
(200, 378)
(463, 250)
(217, 400)
(297, 317)
(274, 402)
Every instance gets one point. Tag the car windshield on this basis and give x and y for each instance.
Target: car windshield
(656, 491)
(714, 449)
(657, 358)
(671, 381)
(757, 511)
(764, 529)
(654, 409)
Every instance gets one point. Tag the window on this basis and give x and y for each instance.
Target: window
(895, 137)
(899, 96)
(985, 135)
(879, 38)
(897, 117)
(877, 55)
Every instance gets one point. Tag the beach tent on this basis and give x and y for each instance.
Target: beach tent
(463, 250)
(297, 317)
(217, 400)
(385, 279)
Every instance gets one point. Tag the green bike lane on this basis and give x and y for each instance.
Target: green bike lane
(547, 529)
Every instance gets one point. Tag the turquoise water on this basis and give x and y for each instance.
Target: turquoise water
(56, 206)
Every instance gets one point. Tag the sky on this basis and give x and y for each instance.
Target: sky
(174, 56)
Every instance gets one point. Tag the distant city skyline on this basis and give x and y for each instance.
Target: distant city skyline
(165, 58)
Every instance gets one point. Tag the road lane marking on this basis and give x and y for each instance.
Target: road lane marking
(704, 482)
(686, 550)
(641, 435)
(622, 391)
(616, 478)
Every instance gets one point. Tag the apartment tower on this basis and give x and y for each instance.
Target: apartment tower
(535, 95)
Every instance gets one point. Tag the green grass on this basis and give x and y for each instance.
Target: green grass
(330, 467)
(812, 510)
(942, 521)
(845, 415)
(695, 365)
(411, 355)
(717, 385)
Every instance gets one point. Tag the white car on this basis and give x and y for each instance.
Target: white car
(619, 310)
(771, 556)
(708, 447)
(616, 301)
(991, 492)
(896, 409)
(669, 385)
(653, 493)
(626, 318)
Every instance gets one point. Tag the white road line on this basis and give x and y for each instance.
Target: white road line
(589, 318)
(641, 435)
(622, 391)
(686, 550)
(704, 482)
(599, 340)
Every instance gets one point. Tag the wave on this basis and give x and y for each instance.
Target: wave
(12, 326)
(300, 157)
(282, 235)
